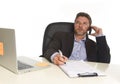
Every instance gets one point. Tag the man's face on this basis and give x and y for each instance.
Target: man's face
(81, 26)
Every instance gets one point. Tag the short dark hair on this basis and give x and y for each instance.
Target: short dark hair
(83, 14)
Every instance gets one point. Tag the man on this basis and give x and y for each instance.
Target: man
(77, 45)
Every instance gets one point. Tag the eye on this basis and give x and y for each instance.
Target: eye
(77, 22)
(85, 23)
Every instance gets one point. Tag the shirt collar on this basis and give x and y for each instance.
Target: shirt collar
(84, 39)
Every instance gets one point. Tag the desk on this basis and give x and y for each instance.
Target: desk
(54, 75)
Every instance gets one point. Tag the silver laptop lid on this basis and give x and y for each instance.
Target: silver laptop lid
(8, 57)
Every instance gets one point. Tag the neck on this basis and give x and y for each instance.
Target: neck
(79, 37)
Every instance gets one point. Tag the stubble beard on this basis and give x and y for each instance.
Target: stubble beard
(80, 33)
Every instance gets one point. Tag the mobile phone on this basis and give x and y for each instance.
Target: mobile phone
(90, 30)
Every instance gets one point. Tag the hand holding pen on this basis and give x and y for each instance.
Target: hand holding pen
(60, 59)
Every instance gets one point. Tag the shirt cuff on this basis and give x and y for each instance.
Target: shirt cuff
(100, 35)
(53, 55)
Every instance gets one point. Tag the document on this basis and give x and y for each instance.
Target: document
(80, 69)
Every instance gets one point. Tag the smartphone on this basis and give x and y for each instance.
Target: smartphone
(90, 30)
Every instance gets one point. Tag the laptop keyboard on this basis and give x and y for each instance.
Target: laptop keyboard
(23, 66)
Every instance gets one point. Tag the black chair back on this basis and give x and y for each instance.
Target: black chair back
(52, 29)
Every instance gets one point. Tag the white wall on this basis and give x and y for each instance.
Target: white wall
(30, 17)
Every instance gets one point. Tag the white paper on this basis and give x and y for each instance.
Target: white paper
(73, 68)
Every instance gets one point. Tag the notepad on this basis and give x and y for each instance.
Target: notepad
(80, 69)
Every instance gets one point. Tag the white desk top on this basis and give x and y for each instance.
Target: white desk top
(54, 75)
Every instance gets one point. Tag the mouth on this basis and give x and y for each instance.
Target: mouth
(80, 32)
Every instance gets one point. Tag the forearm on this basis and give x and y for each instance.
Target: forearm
(49, 53)
(103, 49)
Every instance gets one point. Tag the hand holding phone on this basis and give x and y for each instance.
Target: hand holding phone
(98, 31)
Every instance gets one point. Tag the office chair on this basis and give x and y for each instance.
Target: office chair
(52, 28)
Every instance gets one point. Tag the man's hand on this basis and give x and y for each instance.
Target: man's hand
(98, 31)
(59, 60)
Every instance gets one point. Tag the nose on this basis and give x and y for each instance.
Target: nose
(80, 25)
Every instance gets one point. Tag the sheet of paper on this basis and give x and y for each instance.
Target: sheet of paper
(73, 68)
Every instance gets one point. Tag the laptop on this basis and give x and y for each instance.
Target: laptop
(8, 58)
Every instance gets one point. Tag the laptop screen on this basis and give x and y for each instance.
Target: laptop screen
(8, 49)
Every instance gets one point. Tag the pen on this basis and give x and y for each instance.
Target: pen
(60, 52)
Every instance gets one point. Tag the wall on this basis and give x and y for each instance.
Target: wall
(29, 18)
